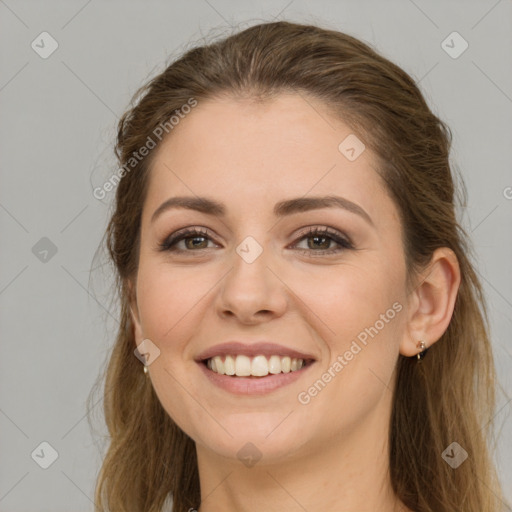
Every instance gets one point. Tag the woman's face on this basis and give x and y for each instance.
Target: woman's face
(258, 275)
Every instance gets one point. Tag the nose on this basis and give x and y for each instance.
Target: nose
(252, 290)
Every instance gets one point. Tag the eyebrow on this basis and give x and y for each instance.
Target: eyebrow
(281, 209)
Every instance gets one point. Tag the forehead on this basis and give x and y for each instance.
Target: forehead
(250, 154)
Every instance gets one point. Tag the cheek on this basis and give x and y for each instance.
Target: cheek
(363, 309)
(170, 304)
(357, 379)
(167, 299)
(353, 298)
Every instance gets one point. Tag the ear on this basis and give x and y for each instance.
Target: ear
(134, 313)
(431, 303)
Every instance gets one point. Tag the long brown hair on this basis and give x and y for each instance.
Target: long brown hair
(449, 397)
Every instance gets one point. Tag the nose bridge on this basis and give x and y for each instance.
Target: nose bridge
(250, 250)
(251, 286)
(250, 259)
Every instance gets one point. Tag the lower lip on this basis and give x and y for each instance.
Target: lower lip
(253, 385)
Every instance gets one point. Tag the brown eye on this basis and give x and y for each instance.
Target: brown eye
(319, 241)
(194, 240)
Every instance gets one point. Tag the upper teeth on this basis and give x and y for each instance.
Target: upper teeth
(259, 366)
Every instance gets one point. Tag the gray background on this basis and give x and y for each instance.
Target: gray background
(57, 126)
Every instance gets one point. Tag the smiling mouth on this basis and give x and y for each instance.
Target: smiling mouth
(258, 366)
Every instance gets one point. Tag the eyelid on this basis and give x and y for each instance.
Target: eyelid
(316, 228)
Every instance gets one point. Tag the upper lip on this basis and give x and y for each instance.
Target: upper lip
(265, 348)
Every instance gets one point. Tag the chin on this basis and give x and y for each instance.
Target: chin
(265, 437)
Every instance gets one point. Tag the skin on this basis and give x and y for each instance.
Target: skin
(329, 454)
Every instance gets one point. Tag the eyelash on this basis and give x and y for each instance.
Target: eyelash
(342, 241)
